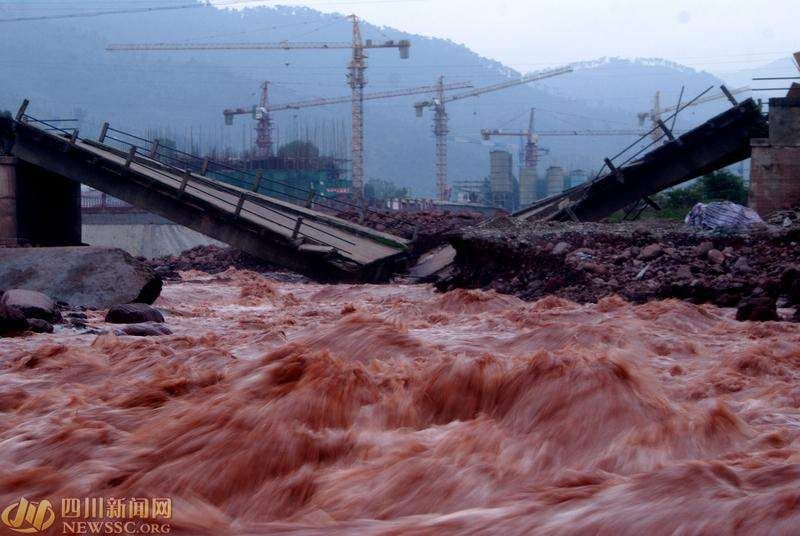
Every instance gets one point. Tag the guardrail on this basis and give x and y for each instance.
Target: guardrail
(256, 181)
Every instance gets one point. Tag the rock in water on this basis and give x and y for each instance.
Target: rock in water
(37, 325)
(12, 321)
(91, 276)
(758, 309)
(145, 329)
(133, 313)
(32, 304)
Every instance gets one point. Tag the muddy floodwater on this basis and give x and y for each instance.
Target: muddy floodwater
(286, 408)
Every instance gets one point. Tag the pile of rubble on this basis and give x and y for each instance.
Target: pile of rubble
(785, 218)
(430, 227)
(211, 259)
(640, 262)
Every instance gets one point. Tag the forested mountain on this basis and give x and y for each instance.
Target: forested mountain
(62, 66)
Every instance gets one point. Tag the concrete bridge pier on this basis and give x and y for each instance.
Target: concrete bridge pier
(8, 201)
(775, 164)
(37, 207)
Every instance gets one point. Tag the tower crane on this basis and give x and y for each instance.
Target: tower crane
(531, 136)
(440, 128)
(655, 113)
(263, 111)
(355, 75)
(530, 158)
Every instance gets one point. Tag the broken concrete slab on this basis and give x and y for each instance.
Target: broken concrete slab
(88, 276)
(432, 263)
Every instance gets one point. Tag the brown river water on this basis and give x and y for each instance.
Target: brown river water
(285, 408)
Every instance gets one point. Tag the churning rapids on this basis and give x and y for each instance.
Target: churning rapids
(282, 408)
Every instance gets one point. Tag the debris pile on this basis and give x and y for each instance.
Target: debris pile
(785, 218)
(210, 259)
(585, 262)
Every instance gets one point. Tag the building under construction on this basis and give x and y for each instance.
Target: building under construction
(503, 183)
(300, 168)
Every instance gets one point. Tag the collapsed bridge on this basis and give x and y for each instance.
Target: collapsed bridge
(719, 142)
(297, 237)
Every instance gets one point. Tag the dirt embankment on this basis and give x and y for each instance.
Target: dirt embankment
(638, 261)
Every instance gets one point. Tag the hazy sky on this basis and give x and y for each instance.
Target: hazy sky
(716, 35)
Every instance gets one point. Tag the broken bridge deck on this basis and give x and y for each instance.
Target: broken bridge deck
(721, 141)
(299, 238)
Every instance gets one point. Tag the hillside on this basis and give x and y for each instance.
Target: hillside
(68, 72)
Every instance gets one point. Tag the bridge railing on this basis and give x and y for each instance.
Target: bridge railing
(257, 181)
(170, 163)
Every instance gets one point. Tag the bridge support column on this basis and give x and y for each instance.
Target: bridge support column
(48, 207)
(8, 201)
(775, 163)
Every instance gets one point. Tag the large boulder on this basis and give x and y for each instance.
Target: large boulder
(12, 321)
(32, 304)
(90, 276)
(133, 313)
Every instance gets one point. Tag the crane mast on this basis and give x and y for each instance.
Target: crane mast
(264, 127)
(440, 131)
(531, 144)
(530, 155)
(440, 124)
(357, 81)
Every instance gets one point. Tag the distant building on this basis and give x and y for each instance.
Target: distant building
(576, 177)
(527, 186)
(288, 177)
(554, 180)
(505, 187)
